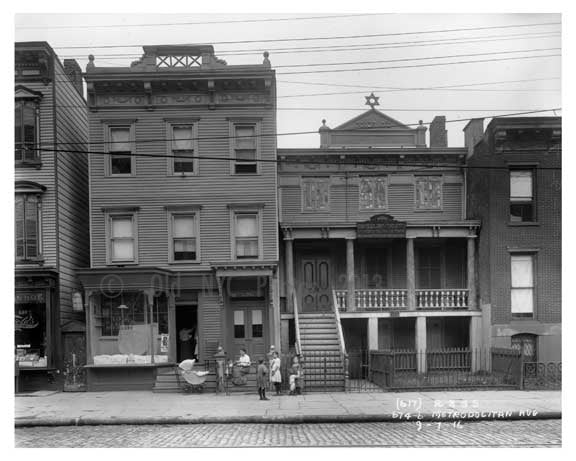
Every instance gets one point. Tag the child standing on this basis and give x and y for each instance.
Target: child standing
(275, 375)
(295, 377)
(261, 379)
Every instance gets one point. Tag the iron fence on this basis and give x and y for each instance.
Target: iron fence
(541, 375)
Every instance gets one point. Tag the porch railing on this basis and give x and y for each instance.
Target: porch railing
(442, 299)
(297, 324)
(379, 299)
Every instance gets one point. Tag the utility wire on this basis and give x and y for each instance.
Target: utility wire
(339, 161)
(305, 18)
(358, 47)
(338, 37)
(268, 135)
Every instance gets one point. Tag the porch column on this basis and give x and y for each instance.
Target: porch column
(373, 333)
(289, 253)
(476, 349)
(172, 332)
(471, 273)
(149, 296)
(350, 275)
(410, 274)
(91, 348)
(275, 299)
(421, 344)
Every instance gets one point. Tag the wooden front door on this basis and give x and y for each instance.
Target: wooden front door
(316, 295)
(247, 326)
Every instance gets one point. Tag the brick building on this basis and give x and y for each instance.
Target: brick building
(514, 189)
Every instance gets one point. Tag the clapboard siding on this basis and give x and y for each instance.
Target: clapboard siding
(213, 188)
(44, 175)
(344, 205)
(72, 188)
(210, 324)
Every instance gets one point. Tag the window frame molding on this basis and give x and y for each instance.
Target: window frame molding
(26, 95)
(324, 179)
(171, 122)
(249, 209)
(523, 166)
(172, 211)
(256, 122)
(119, 123)
(25, 189)
(533, 253)
(109, 213)
(442, 181)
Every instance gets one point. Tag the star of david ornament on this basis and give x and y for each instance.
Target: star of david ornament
(372, 100)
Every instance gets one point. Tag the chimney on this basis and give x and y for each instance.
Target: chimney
(74, 74)
(438, 133)
(473, 132)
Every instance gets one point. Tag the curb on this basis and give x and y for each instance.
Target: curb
(300, 419)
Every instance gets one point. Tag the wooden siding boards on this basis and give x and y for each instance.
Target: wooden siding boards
(213, 188)
(210, 324)
(72, 173)
(344, 205)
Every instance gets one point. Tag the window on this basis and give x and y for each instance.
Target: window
(315, 194)
(429, 268)
(526, 344)
(26, 132)
(372, 191)
(122, 233)
(184, 237)
(239, 329)
(120, 151)
(182, 147)
(522, 285)
(257, 327)
(246, 235)
(428, 193)
(245, 149)
(27, 228)
(521, 196)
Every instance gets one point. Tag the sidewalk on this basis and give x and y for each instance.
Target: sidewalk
(144, 407)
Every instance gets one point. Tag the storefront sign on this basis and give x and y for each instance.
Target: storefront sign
(29, 297)
(381, 226)
(164, 340)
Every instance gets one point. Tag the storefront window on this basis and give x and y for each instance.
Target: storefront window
(128, 332)
(30, 329)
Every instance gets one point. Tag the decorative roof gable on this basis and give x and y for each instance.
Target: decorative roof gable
(22, 92)
(372, 119)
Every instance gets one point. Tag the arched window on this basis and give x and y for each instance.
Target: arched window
(527, 344)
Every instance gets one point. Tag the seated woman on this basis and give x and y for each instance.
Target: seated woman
(243, 360)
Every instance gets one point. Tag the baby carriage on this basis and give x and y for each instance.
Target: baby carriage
(193, 380)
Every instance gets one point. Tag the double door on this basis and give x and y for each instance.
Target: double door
(316, 293)
(247, 328)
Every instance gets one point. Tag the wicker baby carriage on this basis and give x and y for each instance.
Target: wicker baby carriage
(193, 381)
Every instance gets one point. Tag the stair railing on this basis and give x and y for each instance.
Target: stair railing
(297, 325)
(338, 323)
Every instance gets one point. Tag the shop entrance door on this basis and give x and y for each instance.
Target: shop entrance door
(247, 327)
(316, 296)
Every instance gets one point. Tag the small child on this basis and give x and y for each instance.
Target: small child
(261, 379)
(295, 377)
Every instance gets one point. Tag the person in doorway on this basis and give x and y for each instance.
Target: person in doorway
(295, 377)
(262, 379)
(185, 335)
(275, 375)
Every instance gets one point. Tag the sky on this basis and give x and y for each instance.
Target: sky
(337, 61)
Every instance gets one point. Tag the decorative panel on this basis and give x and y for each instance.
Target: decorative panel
(428, 192)
(315, 194)
(373, 193)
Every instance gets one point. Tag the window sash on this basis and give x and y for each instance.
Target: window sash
(373, 193)
(184, 237)
(522, 284)
(27, 231)
(122, 240)
(26, 131)
(521, 186)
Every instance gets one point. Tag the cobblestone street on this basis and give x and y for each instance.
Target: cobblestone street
(535, 433)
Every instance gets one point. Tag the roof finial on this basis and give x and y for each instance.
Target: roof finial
(372, 100)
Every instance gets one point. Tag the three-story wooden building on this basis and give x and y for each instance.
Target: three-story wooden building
(51, 214)
(183, 217)
(377, 251)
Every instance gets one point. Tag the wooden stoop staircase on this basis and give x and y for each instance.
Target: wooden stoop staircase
(324, 364)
